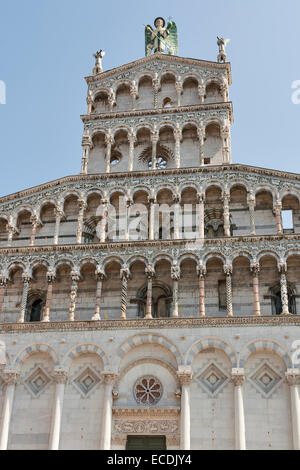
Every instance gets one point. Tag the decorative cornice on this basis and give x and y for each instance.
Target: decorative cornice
(151, 112)
(161, 57)
(132, 324)
(150, 173)
(147, 243)
(136, 412)
(137, 174)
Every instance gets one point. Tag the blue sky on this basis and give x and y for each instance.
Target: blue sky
(46, 49)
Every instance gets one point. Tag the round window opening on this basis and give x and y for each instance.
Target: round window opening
(114, 160)
(161, 162)
(147, 390)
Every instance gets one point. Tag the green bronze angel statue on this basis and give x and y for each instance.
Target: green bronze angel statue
(161, 39)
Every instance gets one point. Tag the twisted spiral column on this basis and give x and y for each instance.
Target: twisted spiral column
(226, 214)
(26, 280)
(73, 295)
(124, 276)
(228, 272)
(155, 87)
(283, 289)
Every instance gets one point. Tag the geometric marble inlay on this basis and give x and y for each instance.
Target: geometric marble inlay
(86, 381)
(265, 379)
(212, 379)
(37, 381)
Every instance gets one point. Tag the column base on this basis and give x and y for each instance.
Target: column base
(148, 317)
(96, 317)
(44, 320)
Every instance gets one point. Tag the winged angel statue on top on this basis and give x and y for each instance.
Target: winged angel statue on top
(161, 39)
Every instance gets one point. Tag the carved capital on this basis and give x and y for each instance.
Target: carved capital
(109, 377)
(178, 85)
(10, 376)
(100, 273)
(125, 272)
(176, 198)
(175, 271)
(238, 377)
(75, 276)
(131, 136)
(255, 268)
(109, 139)
(82, 204)
(35, 221)
(293, 376)
(133, 89)
(228, 269)
(154, 136)
(282, 267)
(200, 198)
(201, 271)
(201, 132)
(60, 375)
(3, 280)
(177, 133)
(185, 375)
(149, 271)
(50, 276)
(26, 278)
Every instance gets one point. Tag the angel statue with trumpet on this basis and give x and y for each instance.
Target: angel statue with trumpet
(161, 39)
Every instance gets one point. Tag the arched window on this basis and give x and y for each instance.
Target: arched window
(161, 300)
(35, 305)
(167, 103)
(35, 311)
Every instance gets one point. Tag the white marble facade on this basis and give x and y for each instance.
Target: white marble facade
(194, 338)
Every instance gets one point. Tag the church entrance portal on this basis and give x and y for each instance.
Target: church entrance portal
(146, 443)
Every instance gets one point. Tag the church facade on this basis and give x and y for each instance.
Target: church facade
(152, 301)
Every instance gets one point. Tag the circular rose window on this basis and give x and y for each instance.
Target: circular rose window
(147, 390)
